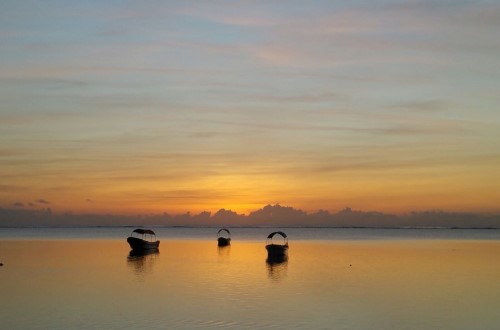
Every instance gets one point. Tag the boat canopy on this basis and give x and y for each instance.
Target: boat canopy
(144, 231)
(271, 235)
(223, 229)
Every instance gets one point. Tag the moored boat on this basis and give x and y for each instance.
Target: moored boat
(276, 250)
(223, 237)
(143, 239)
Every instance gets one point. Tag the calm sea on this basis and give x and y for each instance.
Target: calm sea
(86, 278)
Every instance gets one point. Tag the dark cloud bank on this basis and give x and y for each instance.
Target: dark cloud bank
(270, 215)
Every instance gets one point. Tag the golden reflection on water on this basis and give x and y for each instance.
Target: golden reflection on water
(142, 262)
(224, 252)
(277, 267)
(189, 284)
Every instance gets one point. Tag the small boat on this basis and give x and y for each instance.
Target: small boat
(223, 240)
(143, 239)
(276, 250)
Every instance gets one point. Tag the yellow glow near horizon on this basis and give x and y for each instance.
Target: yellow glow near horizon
(396, 191)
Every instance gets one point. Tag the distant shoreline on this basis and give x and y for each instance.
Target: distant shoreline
(250, 227)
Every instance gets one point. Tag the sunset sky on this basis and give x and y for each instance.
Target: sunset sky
(135, 107)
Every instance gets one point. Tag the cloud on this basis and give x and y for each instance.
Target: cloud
(42, 201)
(379, 36)
(18, 204)
(6, 188)
(424, 106)
(269, 215)
(226, 216)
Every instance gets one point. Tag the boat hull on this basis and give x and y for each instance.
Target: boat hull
(223, 241)
(140, 244)
(276, 250)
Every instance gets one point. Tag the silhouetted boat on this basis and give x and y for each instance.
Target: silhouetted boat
(221, 240)
(138, 254)
(143, 239)
(276, 250)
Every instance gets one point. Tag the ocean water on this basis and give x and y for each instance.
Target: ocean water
(86, 278)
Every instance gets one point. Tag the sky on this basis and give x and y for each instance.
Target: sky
(143, 107)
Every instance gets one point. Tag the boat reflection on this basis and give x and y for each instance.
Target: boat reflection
(277, 267)
(224, 251)
(142, 261)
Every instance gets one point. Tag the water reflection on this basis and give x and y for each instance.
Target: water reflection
(142, 262)
(224, 251)
(392, 284)
(277, 267)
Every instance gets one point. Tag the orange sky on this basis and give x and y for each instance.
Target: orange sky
(189, 107)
